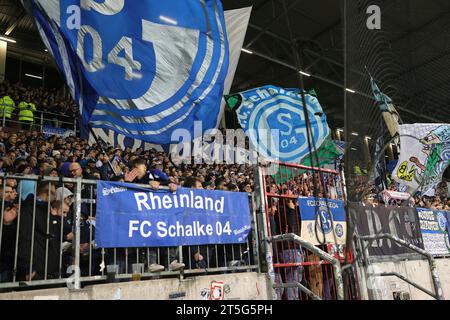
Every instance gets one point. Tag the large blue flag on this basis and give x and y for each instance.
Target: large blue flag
(142, 68)
(274, 119)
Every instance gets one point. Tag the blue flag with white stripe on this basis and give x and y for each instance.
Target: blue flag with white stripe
(273, 118)
(141, 68)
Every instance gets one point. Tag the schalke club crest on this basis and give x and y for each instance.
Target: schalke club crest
(274, 120)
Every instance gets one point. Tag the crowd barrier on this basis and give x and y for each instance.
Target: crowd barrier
(297, 237)
(42, 247)
(300, 267)
(42, 120)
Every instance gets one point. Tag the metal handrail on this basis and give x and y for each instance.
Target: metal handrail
(398, 275)
(76, 279)
(439, 295)
(322, 254)
(39, 120)
(298, 285)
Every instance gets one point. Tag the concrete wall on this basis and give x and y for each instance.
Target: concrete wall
(236, 286)
(417, 270)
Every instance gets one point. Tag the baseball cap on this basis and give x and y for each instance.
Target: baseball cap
(62, 193)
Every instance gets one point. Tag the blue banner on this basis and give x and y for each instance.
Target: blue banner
(50, 131)
(131, 216)
(434, 228)
(142, 68)
(269, 109)
(316, 213)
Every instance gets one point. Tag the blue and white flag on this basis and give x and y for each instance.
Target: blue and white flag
(142, 68)
(274, 120)
(131, 216)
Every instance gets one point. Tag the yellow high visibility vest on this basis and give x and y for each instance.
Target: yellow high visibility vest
(7, 107)
(26, 111)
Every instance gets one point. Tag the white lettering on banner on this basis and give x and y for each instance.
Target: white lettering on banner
(154, 201)
(429, 225)
(132, 227)
(141, 229)
(241, 230)
(196, 229)
(209, 230)
(108, 191)
(320, 203)
(136, 225)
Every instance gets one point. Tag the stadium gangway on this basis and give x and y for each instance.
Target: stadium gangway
(438, 292)
(224, 258)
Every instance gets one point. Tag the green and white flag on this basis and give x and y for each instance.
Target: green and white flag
(424, 156)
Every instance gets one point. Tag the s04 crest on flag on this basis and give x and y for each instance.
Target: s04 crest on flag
(142, 68)
(280, 111)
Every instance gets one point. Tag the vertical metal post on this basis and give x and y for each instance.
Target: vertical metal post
(2, 213)
(43, 76)
(255, 239)
(76, 234)
(33, 226)
(338, 280)
(366, 264)
(42, 121)
(16, 249)
(20, 68)
(347, 165)
(266, 239)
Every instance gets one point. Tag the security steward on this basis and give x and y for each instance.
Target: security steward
(26, 114)
(7, 107)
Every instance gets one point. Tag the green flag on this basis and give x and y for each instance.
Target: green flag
(327, 154)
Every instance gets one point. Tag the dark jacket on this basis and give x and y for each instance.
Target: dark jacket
(45, 238)
(8, 243)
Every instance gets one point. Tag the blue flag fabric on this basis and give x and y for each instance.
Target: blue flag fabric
(131, 216)
(141, 68)
(270, 110)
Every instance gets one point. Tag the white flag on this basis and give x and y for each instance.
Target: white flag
(236, 22)
(424, 156)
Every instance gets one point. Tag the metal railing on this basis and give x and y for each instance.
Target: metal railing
(319, 253)
(42, 119)
(292, 263)
(438, 292)
(43, 247)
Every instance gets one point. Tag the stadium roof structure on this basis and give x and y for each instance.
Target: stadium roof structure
(416, 32)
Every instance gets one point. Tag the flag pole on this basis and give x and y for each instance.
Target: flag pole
(103, 150)
(309, 134)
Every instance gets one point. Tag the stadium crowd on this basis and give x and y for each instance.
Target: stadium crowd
(29, 153)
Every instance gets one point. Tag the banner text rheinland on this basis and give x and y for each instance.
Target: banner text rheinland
(155, 201)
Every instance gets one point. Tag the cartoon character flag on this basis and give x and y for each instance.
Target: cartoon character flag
(425, 154)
